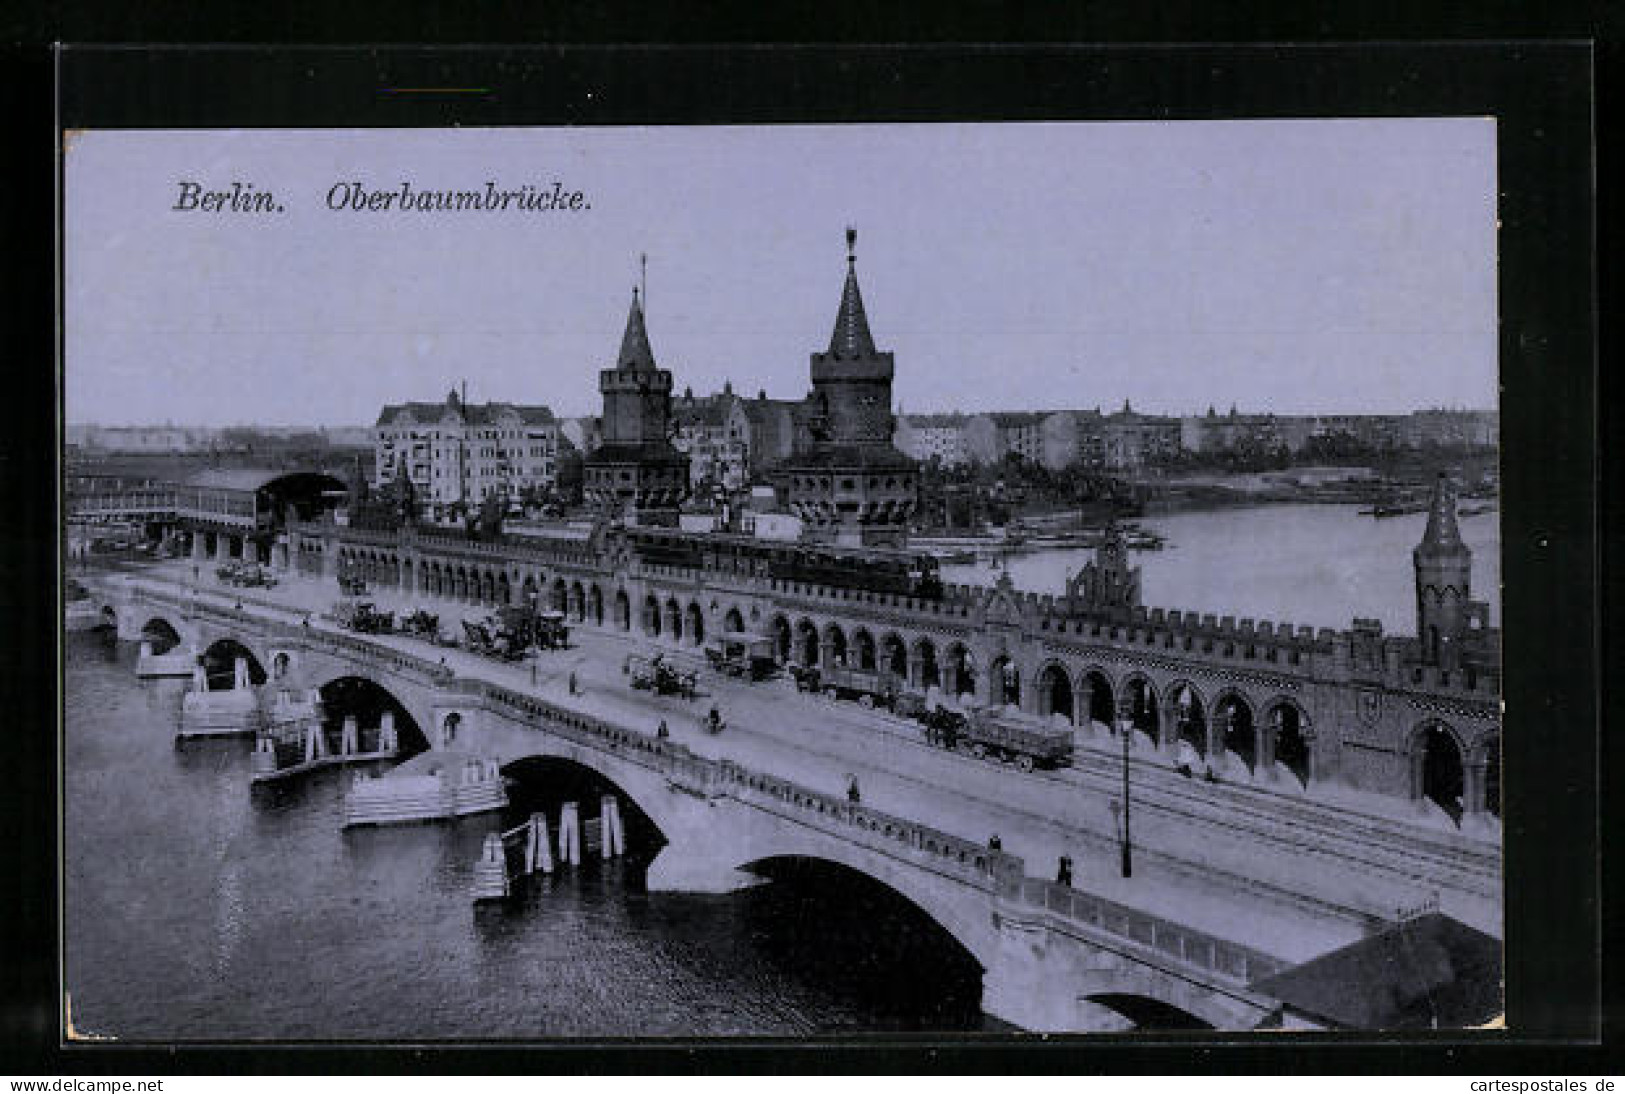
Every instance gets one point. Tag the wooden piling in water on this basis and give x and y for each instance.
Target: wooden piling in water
(570, 834)
(613, 837)
(491, 871)
(544, 843)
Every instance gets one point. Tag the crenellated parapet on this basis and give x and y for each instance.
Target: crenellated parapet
(1263, 699)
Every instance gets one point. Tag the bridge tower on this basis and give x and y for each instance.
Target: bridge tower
(1443, 566)
(847, 482)
(635, 474)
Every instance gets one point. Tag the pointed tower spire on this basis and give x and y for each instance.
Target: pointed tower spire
(851, 339)
(1443, 566)
(1442, 530)
(635, 352)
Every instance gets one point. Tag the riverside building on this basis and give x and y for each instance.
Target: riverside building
(458, 453)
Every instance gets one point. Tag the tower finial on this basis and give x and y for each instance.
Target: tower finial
(851, 243)
(643, 277)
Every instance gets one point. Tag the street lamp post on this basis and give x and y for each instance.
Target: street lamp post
(1126, 727)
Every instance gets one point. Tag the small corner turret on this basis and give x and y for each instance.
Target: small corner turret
(1106, 585)
(1447, 617)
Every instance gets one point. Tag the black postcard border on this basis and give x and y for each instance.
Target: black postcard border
(1541, 94)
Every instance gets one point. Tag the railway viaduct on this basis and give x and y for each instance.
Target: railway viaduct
(1311, 708)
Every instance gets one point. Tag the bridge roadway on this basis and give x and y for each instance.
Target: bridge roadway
(1259, 868)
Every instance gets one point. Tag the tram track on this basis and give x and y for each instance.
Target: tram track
(1350, 841)
(1427, 870)
(1393, 850)
(1356, 837)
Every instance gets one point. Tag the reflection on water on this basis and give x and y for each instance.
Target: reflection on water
(199, 908)
(1309, 565)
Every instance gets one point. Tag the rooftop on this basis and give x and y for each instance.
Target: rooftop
(1431, 971)
(247, 479)
(471, 413)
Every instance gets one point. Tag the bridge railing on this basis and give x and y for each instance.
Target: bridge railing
(383, 657)
(926, 846)
(932, 848)
(689, 772)
(1232, 960)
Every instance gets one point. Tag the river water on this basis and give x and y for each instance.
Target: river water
(200, 908)
(1308, 565)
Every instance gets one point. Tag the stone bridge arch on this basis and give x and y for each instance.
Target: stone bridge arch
(713, 842)
(1190, 710)
(1437, 753)
(1235, 726)
(342, 697)
(1287, 736)
(319, 670)
(1123, 989)
(960, 910)
(148, 624)
(220, 650)
(131, 618)
(1095, 695)
(673, 815)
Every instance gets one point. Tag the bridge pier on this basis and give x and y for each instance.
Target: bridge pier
(703, 847)
(128, 623)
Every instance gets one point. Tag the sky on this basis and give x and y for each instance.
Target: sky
(1303, 266)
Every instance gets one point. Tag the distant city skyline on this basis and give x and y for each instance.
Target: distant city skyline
(1105, 408)
(1288, 267)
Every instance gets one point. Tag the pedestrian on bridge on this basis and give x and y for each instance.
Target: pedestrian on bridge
(994, 843)
(853, 795)
(1063, 874)
(662, 732)
(573, 689)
